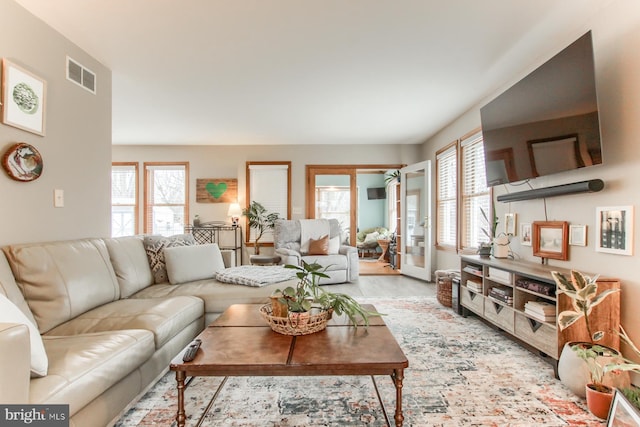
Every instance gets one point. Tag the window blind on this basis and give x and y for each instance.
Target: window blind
(475, 193)
(269, 186)
(446, 196)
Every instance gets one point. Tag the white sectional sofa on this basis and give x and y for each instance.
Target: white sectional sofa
(107, 329)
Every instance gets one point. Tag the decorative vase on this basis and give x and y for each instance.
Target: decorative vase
(484, 250)
(574, 372)
(598, 402)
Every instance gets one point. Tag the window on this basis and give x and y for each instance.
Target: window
(475, 196)
(269, 183)
(124, 199)
(166, 195)
(334, 202)
(447, 196)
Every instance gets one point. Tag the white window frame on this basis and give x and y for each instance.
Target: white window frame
(149, 203)
(447, 166)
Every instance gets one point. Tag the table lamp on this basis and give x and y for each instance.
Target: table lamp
(234, 212)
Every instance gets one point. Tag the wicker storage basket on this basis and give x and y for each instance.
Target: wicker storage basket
(443, 286)
(291, 326)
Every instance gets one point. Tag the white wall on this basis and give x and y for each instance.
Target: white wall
(616, 33)
(76, 150)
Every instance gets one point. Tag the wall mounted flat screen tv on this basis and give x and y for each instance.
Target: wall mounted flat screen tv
(375, 193)
(547, 122)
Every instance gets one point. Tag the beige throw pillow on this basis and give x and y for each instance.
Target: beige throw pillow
(196, 262)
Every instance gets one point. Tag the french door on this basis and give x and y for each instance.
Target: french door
(415, 207)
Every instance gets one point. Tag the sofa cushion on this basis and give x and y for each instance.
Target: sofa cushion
(155, 245)
(82, 367)
(331, 262)
(130, 264)
(194, 262)
(165, 317)
(61, 280)
(9, 288)
(9, 313)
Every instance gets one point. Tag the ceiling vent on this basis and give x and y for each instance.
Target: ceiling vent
(80, 75)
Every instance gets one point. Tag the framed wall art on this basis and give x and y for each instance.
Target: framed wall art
(551, 239)
(216, 190)
(22, 162)
(578, 235)
(23, 98)
(525, 234)
(510, 223)
(622, 413)
(614, 230)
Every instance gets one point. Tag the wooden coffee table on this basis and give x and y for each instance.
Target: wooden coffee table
(240, 343)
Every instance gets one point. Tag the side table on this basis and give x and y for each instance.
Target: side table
(384, 245)
(264, 259)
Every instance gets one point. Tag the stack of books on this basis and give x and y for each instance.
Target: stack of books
(503, 295)
(541, 310)
(474, 286)
(473, 269)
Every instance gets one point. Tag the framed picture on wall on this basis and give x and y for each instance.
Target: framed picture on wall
(614, 230)
(578, 235)
(510, 224)
(23, 98)
(525, 234)
(551, 239)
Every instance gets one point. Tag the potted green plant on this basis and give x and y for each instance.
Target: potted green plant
(599, 395)
(489, 230)
(260, 220)
(632, 393)
(392, 176)
(583, 292)
(307, 295)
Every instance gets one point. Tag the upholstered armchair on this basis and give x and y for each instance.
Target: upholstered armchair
(298, 240)
(367, 239)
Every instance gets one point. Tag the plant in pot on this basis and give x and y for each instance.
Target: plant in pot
(632, 393)
(260, 220)
(489, 230)
(583, 293)
(307, 296)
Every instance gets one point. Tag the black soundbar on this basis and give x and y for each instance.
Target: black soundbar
(590, 186)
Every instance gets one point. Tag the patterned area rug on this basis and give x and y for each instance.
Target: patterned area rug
(461, 373)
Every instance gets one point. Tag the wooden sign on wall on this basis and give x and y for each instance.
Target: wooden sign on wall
(217, 190)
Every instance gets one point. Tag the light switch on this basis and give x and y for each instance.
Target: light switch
(58, 198)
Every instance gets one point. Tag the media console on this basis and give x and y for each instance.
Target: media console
(517, 297)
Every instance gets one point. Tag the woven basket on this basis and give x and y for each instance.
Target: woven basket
(444, 279)
(292, 326)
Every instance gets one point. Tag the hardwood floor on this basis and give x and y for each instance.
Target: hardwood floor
(385, 286)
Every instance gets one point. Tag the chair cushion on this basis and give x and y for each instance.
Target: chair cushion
(155, 245)
(9, 313)
(332, 262)
(194, 262)
(165, 317)
(82, 367)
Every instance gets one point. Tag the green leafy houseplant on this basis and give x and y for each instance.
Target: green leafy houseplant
(260, 220)
(489, 229)
(631, 393)
(308, 294)
(592, 355)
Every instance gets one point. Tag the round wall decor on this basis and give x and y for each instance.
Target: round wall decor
(22, 162)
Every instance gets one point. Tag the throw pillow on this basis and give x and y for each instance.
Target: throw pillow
(10, 313)
(334, 245)
(194, 262)
(371, 237)
(320, 246)
(154, 247)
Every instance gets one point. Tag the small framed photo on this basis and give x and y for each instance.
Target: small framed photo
(614, 230)
(622, 413)
(510, 224)
(525, 234)
(578, 235)
(551, 239)
(23, 98)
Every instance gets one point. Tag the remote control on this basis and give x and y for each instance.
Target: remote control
(190, 354)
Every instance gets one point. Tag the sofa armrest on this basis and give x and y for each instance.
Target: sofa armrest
(15, 363)
(289, 256)
(346, 250)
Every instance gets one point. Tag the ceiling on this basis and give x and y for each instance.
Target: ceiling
(231, 72)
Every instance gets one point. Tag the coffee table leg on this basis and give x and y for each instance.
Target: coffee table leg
(398, 376)
(181, 416)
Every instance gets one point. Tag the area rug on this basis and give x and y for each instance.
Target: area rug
(461, 373)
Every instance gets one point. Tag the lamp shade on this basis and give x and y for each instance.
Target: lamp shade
(234, 210)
